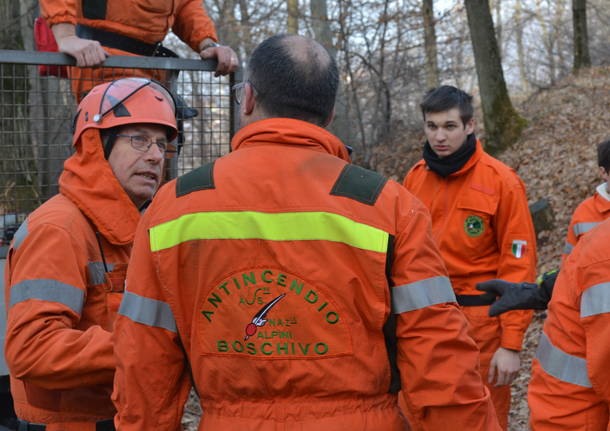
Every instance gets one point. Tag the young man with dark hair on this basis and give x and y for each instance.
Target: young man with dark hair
(481, 222)
(268, 279)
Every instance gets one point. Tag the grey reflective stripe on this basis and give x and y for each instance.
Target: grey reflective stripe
(97, 272)
(595, 300)
(580, 228)
(561, 365)
(48, 290)
(20, 235)
(567, 248)
(423, 293)
(147, 311)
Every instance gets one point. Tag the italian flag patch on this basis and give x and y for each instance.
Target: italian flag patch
(519, 248)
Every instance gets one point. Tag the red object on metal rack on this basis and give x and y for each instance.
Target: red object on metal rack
(45, 42)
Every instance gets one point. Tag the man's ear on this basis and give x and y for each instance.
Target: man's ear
(249, 99)
(330, 119)
(469, 126)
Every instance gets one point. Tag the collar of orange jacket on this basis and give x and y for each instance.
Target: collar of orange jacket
(88, 181)
(289, 132)
(478, 153)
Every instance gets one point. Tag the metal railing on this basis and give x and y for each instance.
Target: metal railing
(36, 112)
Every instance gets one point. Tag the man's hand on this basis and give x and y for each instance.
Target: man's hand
(226, 57)
(86, 52)
(514, 296)
(505, 364)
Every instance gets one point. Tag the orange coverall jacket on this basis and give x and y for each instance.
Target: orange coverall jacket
(591, 212)
(266, 270)
(62, 299)
(570, 386)
(482, 224)
(145, 20)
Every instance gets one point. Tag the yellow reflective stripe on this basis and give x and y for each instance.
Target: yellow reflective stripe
(297, 226)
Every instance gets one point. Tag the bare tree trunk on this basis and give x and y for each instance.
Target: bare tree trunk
(503, 125)
(547, 40)
(226, 24)
(519, 41)
(247, 39)
(384, 104)
(581, 37)
(558, 30)
(293, 16)
(432, 78)
(321, 26)
(344, 6)
(340, 126)
(498, 24)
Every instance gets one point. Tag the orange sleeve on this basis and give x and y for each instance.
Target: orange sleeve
(58, 11)
(595, 319)
(45, 292)
(192, 24)
(516, 241)
(143, 347)
(437, 358)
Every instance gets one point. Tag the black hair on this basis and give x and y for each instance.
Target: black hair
(603, 155)
(108, 139)
(447, 97)
(287, 84)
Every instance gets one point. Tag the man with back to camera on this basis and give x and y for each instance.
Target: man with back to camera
(66, 266)
(482, 225)
(267, 277)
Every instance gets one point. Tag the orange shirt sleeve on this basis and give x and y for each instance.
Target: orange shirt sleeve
(43, 344)
(192, 24)
(58, 11)
(437, 358)
(516, 240)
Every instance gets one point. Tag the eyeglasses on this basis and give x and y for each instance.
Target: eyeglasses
(143, 143)
(237, 91)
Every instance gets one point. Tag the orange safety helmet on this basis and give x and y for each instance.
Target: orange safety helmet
(126, 101)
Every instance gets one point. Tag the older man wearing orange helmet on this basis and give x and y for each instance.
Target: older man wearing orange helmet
(66, 266)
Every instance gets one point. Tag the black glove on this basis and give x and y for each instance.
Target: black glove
(546, 282)
(514, 296)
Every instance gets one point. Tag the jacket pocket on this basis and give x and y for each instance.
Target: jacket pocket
(476, 211)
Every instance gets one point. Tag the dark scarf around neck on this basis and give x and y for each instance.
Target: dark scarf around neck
(452, 163)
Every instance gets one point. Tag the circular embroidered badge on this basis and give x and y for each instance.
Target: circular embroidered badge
(474, 226)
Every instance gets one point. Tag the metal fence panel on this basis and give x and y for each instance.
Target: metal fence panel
(36, 114)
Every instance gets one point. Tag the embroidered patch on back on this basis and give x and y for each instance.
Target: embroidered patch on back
(272, 314)
(201, 178)
(359, 184)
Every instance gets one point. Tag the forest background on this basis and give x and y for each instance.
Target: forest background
(539, 71)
